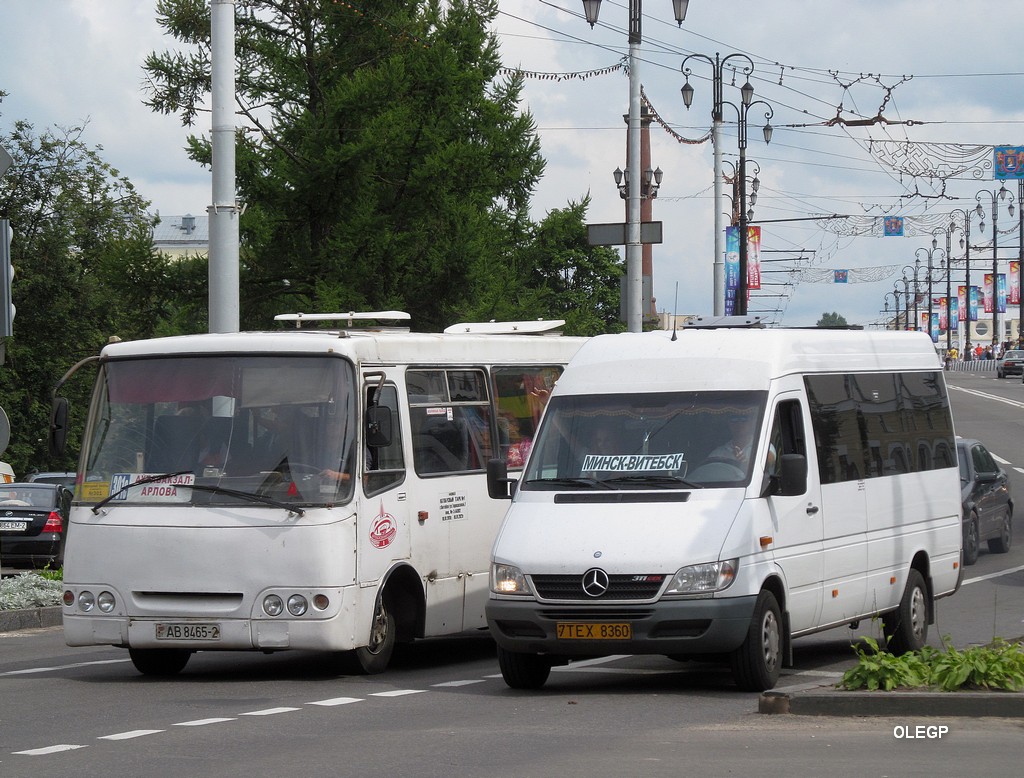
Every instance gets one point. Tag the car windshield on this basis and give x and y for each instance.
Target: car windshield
(659, 440)
(27, 495)
(221, 429)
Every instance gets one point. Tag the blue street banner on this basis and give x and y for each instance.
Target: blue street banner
(732, 267)
(1008, 162)
(894, 226)
(841, 276)
(954, 313)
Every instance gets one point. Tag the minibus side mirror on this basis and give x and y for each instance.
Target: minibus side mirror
(378, 426)
(57, 440)
(793, 480)
(499, 485)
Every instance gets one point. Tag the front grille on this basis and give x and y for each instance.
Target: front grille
(620, 587)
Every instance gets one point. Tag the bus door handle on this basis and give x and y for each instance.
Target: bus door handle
(812, 509)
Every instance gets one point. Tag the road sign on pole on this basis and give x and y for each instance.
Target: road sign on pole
(5, 161)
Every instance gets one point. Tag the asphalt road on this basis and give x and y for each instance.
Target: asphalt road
(443, 710)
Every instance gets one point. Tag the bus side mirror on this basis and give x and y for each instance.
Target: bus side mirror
(793, 480)
(378, 426)
(58, 437)
(499, 485)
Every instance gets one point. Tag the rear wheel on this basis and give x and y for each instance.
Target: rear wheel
(159, 661)
(523, 671)
(906, 628)
(757, 662)
(971, 541)
(1001, 544)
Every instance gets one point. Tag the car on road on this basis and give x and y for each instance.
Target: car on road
(986, 500)
(1010, 363)
(66, 479)
(33, 524)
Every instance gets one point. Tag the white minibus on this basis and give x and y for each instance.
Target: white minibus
(296, 489)
(720, 491)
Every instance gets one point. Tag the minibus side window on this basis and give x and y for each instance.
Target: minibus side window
(520, 394)
(450, 414)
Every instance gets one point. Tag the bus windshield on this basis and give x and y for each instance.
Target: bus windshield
(658, 440)
(222, 430)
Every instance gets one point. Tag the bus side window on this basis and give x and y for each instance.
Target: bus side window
(385, 465)
(520, 394)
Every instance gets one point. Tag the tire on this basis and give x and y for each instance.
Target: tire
(523, 671)
(375, 657)
(906, 628)
(160, 662)
(757, 662)
(1001, 544)
(971, 542)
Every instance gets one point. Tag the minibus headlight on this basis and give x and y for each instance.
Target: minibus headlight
(273, 605)
(106, 602)
(86, 601)
(508, 579)
(700, 579)
(297, 605)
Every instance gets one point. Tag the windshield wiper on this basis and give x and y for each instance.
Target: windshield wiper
(201, 487)
(654, 480)
(569, 482)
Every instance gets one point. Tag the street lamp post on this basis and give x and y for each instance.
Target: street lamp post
(634, 250)
(717, 66)
(948, 232)
(995, 196)
(747, 102)
(896, 321)
(896, 295)
(914, 270)
(930, 254)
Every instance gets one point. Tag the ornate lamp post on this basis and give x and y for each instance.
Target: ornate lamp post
(931, 267)
(914, 270)
(718, 64)
(995, 196)
(896, 298)
(634, 255)
(948, 232)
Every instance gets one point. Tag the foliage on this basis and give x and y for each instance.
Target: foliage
(879, 669)
(831, 320)
(29, 590)
(85, 271)
(385, 163)
(997, 666)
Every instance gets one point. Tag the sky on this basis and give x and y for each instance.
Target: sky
(942, 79)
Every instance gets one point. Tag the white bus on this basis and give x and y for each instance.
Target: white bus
(723, 491)
(298, 489)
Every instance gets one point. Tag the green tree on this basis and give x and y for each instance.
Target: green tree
(85, 271)
(831, 320)
(385, 162)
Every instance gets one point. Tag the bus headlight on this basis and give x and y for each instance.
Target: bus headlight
(86, 601)
(105, 602)
(705, 578)
(508, 579)
(273, 605)
(297, 605)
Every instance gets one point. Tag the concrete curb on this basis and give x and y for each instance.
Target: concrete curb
(831, 702)
(30, 618)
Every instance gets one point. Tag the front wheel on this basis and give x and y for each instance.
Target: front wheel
(906, 628)
(1001, 544)
(161, 662)
(523, 671)
(757, 662)
(374, 657)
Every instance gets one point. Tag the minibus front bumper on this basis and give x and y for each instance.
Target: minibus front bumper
(704, 626)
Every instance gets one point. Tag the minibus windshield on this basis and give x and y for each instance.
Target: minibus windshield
(222, 430)
(659, 440)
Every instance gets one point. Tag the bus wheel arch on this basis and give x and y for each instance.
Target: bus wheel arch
(398, 615)
(906, 627)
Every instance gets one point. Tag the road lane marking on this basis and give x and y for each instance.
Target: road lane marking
(996, 574)
(398, 693)
(459, 683)
(269, 711)
(49, 750)
(201, 722)
(31, 670)
(132, 734)
(336, 701)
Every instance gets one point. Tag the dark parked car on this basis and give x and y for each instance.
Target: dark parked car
(33, 524)
(987, 504)
(67, 479)
(1010, 363)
